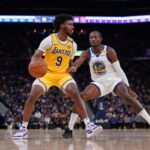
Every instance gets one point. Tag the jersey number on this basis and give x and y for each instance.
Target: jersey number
(59, 61)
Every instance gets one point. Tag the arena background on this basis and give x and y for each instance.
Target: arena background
(18, 41)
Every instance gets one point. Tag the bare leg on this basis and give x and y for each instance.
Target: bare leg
(91, 92)
(72, 91)
(35, 93)
(122, 91)
(79, 108)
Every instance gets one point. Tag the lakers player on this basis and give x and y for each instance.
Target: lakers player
(107, 75)
(59, 50)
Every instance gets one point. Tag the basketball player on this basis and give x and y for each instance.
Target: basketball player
(59, 49)
(108, 77)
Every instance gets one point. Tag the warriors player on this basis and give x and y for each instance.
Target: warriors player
(108, 77)
(59, 50)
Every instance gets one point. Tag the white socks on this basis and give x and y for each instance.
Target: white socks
(72, 120)
(24, 124)
(86, 121)
(145, 116)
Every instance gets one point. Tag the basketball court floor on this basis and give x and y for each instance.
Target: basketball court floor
(52, 140)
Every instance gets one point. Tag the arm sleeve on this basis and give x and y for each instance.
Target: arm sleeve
(120, 72)
(46, 44)
(74, 50)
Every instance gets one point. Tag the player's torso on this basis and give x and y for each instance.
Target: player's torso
(100, 66)
(58, 56)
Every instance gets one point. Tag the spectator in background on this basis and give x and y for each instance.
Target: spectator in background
(47, 121)
(37, 115)
(114, 121)
(8, 120)
(127, 121)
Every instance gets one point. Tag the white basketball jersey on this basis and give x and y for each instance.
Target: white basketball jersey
(100, 66)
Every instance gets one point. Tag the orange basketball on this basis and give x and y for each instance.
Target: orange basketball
(37, 68)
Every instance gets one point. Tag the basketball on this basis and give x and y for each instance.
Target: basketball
(37, 68)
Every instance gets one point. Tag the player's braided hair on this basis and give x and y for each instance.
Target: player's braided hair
(60, 19)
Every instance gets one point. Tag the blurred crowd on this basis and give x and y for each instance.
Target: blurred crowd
(21, 40)
(53, 109)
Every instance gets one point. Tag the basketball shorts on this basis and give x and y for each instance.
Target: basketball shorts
(107, 85)
(60, 80)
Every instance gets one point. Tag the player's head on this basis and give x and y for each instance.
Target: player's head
(64, 23)
(95, 38)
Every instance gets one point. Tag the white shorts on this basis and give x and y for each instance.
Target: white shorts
(107, 85)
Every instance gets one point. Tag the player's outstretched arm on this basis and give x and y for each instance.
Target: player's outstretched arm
(116, 65)
(84, 56)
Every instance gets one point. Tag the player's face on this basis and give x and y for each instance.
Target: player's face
(68, 27)
(95, 39)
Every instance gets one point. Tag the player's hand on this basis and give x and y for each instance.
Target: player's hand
(36, 58)
(72, 69)
(132, 93)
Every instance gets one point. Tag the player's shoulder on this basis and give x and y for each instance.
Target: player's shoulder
(109, 48)
(111, 53)
(46, 43)
(70, 39)
(52, 36)
(88, 51)
(73, 43)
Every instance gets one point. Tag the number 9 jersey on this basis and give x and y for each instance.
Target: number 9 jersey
(58, 53)
(57, 56)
